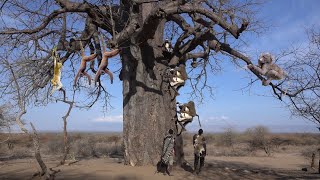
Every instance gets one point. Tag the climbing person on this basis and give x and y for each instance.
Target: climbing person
(200, 149)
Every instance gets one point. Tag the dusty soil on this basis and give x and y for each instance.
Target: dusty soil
(280, 166)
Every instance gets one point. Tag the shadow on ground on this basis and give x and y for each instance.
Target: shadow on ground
(110, 169)
(227, 170)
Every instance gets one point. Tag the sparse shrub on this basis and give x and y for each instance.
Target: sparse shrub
(114, 138)
(277, 142)
(227, 138)
(20, 153)
(10, 143)
(307, 152)
(84, 147)
(258, 139)
(117, 150)
(73, 137)
(102, 149)
(3, 149)
(55, 145)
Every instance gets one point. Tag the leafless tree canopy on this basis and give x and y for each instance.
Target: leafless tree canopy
(306, 62)
(198, 29)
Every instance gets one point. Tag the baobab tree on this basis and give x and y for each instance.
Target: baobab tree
(200, 30)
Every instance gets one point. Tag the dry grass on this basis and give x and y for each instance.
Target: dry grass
(229, 143)
(257, 141)
(82, 145)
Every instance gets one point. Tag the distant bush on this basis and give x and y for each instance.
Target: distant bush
(84, 147)
(55, 145)
(117, 150)
(227, 138)
(258, 139)
(109, 149)
(114, 138)
(20, 153)
(228, 143)
(307, 152)
(102, 149)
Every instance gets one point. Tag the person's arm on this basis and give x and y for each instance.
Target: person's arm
(162, 150)
(194, 138)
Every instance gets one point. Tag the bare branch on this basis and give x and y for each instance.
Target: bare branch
(44, 24)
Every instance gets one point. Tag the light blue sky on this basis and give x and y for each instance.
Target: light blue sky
(230, 107)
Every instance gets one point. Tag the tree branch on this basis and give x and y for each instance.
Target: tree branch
(199, 38)
(180, 21)
(226, 48)
(20, 101)
(175, 8)
(44, 24)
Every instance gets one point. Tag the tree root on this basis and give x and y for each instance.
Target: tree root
(46, 175)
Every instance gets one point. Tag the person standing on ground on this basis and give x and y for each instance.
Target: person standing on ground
(168, 151)
(200, 150)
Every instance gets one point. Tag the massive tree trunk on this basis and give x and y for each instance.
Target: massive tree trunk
(149, 105)
(147, 109)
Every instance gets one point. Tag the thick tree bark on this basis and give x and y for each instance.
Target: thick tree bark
(179, 153)
(148, 108)
(149, 105)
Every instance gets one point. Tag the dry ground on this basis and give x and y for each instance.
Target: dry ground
(277, 167)
(230, 156)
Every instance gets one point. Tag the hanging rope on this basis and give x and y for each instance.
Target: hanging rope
(199, 120)
(54, 50)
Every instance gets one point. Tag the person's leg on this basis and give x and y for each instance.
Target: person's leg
(170, 165)
(196, 160)
(201, 163)
(166, 169)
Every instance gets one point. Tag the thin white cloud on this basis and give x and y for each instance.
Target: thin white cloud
(216, 118)
(111, 119)
(223, 117)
